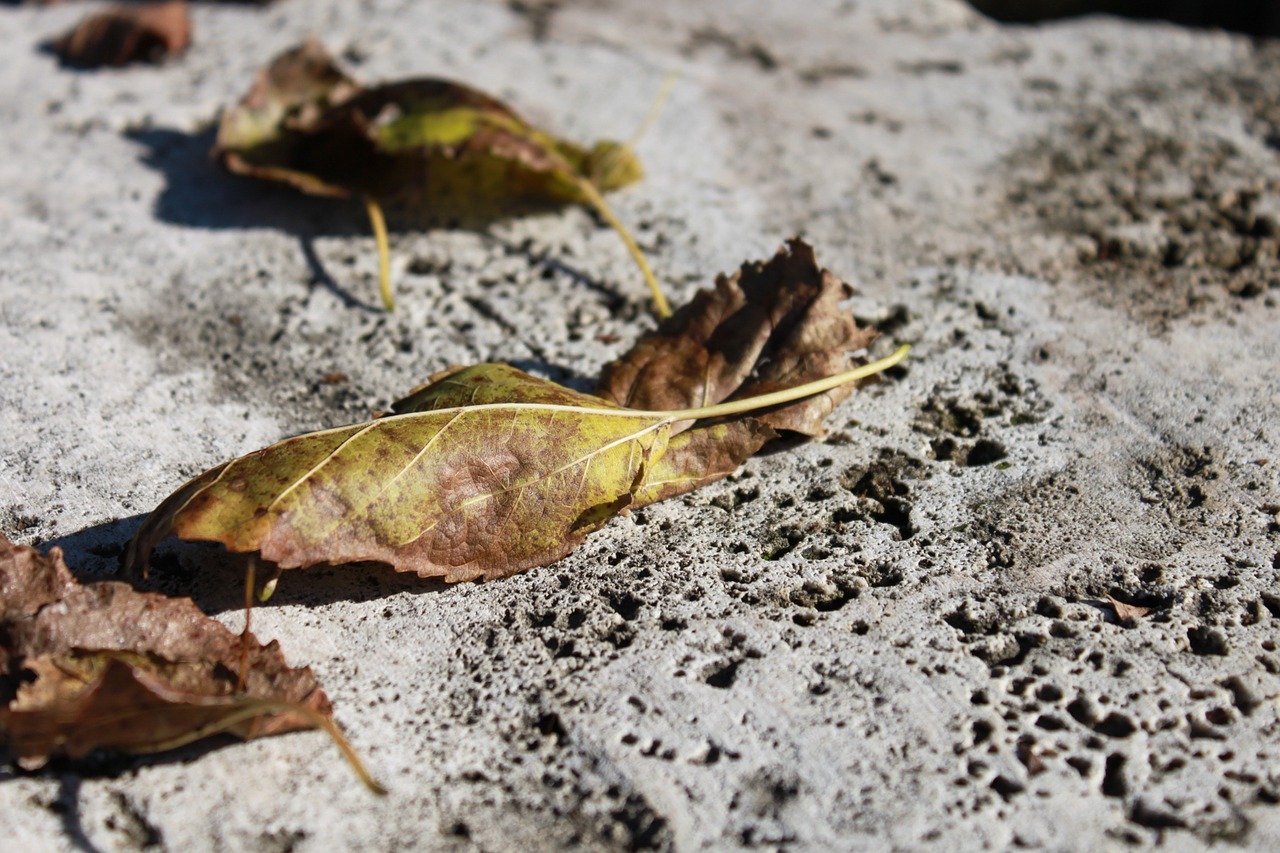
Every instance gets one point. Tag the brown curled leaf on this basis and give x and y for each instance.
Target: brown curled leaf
(28, 582)
(80, 701)
(103, 666)
(486, 471)
(145, 32)
(259, 137)
(771, 325)
(1126, 612)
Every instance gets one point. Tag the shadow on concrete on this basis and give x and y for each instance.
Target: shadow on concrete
(97, 553)
(198, 193)
(214, 578)
(617, 304)
(103, 764)
(1260, 18)
(68, 808)
(557, 373)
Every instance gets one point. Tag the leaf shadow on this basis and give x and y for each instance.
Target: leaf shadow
(214, 578)
(618, 305)
(67, 803)
(100, 764)
(97, 553)
(320, 275)
(68, 808)
(198, 193)
(557, 373)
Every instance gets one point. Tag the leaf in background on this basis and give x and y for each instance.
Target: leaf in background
(261, 134)
(487, 471)
(102, 666)
(144, 32)
(771, 325)
(437, 150)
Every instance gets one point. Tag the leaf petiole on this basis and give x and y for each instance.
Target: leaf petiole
(379, 224)
(650, 119)
(250, 707)
(661, 308)
(788, 395)
(269, 588)
(733, 407)
(250, 580)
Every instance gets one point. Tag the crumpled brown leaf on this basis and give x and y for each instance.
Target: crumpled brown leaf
(261, 135)
(103, 666)
(1127, 613)
(487, 471)
(143, 32)
(771, 325)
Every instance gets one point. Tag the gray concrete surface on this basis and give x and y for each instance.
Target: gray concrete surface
(895, 639)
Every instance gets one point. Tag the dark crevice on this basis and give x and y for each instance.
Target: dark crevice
(1251, 17)
(1113, 783)
(724, 677)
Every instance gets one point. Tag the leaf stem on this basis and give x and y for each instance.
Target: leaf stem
(348, 751)
(379, 224)
(249, 707)
(655, 109)
(627, 149)
(788, 395)
(250, 581)
(660, 306)
(733, 407)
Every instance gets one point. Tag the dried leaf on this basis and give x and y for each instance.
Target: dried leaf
(434, 149)
(261, 135)
(515, 478)
(1127, 612)
(145, 32)
(769, 326)
(102, 666)
(487, 471)
(434, 146)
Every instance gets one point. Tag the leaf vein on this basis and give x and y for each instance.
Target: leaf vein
(635, 436)
(330, 456)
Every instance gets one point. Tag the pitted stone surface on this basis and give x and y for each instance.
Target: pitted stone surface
(897, 638)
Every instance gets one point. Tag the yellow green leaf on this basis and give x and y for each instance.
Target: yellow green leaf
(433, 149)
(483, 473)
(479, 490)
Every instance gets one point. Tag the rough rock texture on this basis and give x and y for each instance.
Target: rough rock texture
(897, 638)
